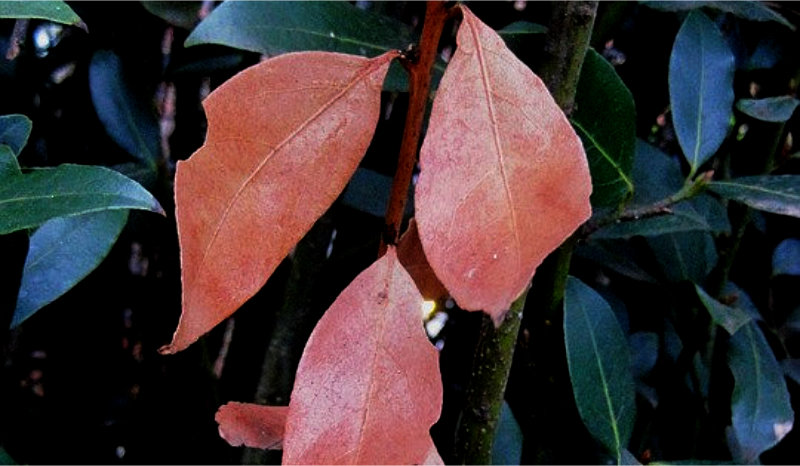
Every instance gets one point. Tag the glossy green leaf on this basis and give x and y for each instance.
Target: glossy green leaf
(713, 211)
(655, 176)
(616, 255)
(682, 218)
(605, 119)
(62, 252)
(9, 166)
(752, 10)
(518, 35)
(786, 258)
(779, 194)
(31, 199)
(127, 119)
(277, 27)
(791, 369)
(14, 131)
(701, 71)
(760, 407)
(684, 256)
(184, 14)
(5, 458)
(644, 352)
(738, 298)
(56, 11)
(507, 445)
(599, 367)
(730, 318)
(773, 109)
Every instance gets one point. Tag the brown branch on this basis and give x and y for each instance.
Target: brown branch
(436, 14)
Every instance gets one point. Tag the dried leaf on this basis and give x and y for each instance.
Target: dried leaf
(411, 255)
(504, 179)
(284, 138)
(252, 425)
(368, 387)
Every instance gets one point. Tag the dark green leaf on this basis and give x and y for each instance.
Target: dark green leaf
(791, 369)
(761, 411)
(644, 352)
(31, 199)
(701, 71)
(779, 194)
(278, 27)
(682, 219)
(126, 118)
(786, 258)
(599, 367)
(628, 458)
(713, 211)
(521, 28)
(684, 256)
(738, 298)
(9, 166)
(507, 446)
(605, 119)
(752, 10)
(5, 458)
(774, 109)
(62, 252)
(56, 11)
(727, 317)
(615, 255)
(182, 14)
(14, 131)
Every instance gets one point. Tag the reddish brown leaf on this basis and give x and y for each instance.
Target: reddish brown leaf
(504, 178)
(368, 387)
(284, 137)
(411, 255)
(252, 425)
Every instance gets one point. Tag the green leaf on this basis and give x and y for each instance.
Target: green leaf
(605, 119)
(779, 194)
(517, 35)
(182, 14)
(791, 369)
(33, 198)
(683, 218)
(727, 317)
(507, 445)
(5, 458)
(62, 252)
(644, 353)
(752, 10)
(786, 258)
(277, 27)
(14, 131)
(701, 71)
(714, 213)
(9, 166)
(773, 109)
(760, 407)
(684, 256)
(126, 118)
(599, 367)
(615, 255)
(56, 11)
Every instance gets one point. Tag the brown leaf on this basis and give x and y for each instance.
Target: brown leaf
(411, 255)
(368, 387)
(252, 425)
(284, 137)
(504, 178)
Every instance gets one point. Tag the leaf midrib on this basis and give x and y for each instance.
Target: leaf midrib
(604, 383)
(606, 156)
(756, 188)
(369, 67)
(487, 88)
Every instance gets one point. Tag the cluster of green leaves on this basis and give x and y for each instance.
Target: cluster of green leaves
(73, 214)
(681, 211)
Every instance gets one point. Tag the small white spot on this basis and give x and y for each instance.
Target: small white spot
(781, 429)
(434, 326)
(427, 308)
(471, 273)
(333, 36)
(449, 304)
(494, 256)
(120, 452)
(330, 245)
